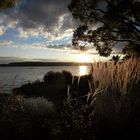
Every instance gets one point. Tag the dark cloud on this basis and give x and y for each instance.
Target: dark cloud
(69, 22)
(44, 12)
(51, 15)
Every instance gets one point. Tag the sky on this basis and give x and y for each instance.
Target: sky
(40, 30)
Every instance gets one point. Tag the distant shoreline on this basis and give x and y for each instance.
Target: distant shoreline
(24, 64)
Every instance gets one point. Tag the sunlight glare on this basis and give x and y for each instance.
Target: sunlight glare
(83, 70)
(83, 57)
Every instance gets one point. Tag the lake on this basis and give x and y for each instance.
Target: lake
(11, 77)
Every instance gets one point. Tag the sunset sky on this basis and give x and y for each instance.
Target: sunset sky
(39, 30)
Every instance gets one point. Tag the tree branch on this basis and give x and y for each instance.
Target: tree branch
(129, 22)
(100, 10)
(134, 13)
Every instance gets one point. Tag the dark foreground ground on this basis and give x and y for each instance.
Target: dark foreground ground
(66, 107)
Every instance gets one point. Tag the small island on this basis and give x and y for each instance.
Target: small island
(24, 64)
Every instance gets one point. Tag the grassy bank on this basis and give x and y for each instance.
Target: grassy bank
(108, 107)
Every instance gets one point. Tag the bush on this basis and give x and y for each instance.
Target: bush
(37, 106)
(51, 77)
(77, 121)
(23, 118)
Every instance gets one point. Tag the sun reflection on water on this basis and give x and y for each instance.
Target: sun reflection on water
(83, 70)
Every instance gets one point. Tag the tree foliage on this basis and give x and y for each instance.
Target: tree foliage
(106, 23)
(7, 3)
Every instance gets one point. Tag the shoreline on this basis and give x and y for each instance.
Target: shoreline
(39, 64)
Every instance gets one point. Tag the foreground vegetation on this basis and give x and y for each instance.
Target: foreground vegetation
(108, 108)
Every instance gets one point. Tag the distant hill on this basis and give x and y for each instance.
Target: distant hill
(43, 64)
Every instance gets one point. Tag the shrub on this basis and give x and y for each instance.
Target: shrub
(51, 77)
(77, 121)
(68, 76)
(37, 106)
(24, 118)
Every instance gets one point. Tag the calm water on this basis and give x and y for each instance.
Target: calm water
(11, 77)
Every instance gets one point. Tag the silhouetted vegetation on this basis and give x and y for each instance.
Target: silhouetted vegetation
(7, 4)
(115, 58)
(110, 109)
(55, 86)
(106, 23)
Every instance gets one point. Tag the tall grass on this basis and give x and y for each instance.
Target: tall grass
(116, 78)
(116, 99)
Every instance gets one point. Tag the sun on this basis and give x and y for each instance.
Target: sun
(83, 57)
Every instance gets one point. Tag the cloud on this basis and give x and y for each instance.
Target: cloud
(22, 33)
(40, 45)
(10, 23)
(2, 30)
(48, 18)
(55, 36)
(7, 22)
(6, 42)
(43, 12)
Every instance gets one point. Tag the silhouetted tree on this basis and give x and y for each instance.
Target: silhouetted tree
(106, 23)
(7, 3)
(115, 58)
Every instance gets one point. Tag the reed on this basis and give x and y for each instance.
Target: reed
(116, 78)
(115, 97)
